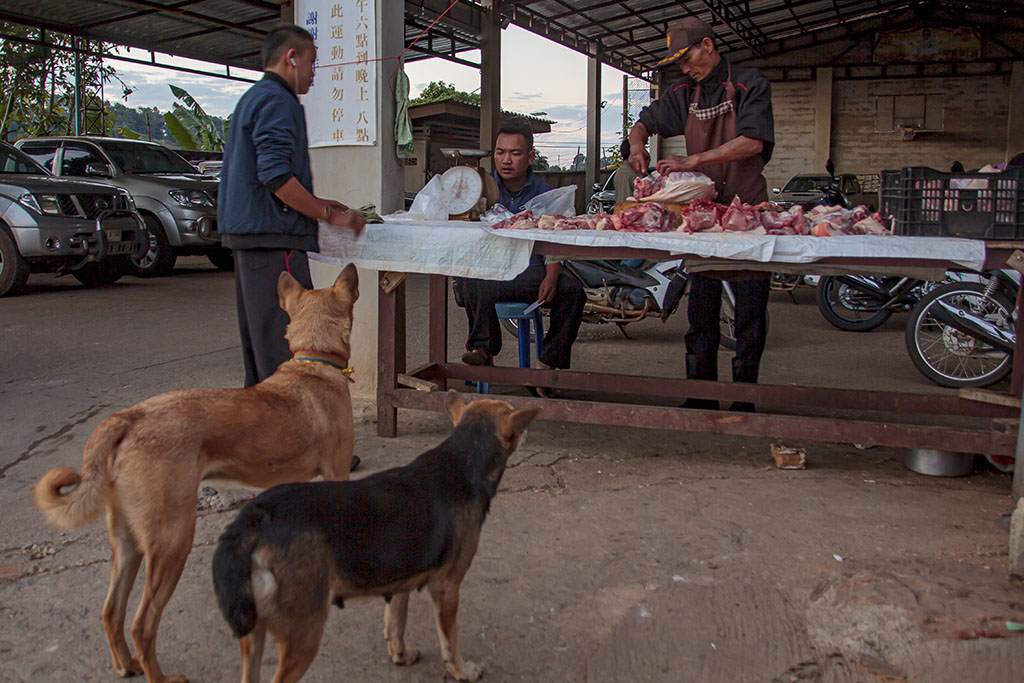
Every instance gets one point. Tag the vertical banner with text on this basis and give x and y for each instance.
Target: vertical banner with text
(341, 106)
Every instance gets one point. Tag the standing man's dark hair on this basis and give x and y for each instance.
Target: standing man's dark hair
(281, 39)
(518, 126)
(267, 213)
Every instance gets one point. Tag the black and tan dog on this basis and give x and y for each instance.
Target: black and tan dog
(297, 548)
(143, 466)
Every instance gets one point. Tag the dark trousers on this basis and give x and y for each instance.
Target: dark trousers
(703, 311)
(564, 323)
(261, 320)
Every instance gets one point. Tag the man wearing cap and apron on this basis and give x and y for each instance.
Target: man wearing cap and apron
(726, 114)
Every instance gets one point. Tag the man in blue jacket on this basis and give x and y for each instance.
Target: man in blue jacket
(564, 295)
(266, 210)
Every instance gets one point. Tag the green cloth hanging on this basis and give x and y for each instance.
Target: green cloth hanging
(404, 146)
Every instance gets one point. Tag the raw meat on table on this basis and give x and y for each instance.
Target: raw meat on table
(645, 217)
(523, 220)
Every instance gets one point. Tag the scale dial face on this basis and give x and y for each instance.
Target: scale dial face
(461, 187)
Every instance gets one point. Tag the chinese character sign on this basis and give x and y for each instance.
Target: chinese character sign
(341, 106)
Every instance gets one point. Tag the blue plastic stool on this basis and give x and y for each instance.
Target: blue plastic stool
(512, 311)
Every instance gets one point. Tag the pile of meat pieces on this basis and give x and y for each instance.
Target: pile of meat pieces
(704, 215)
(647, 217)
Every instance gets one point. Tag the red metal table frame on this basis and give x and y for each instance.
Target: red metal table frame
(995, 433)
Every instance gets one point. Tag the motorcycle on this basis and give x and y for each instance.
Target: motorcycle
(622, 294)
(859, 303)
(963, 333)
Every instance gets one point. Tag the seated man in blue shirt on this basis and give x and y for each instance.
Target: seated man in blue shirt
(562, 294)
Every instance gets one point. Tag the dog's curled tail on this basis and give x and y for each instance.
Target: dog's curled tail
(83, 504)
(233, 574)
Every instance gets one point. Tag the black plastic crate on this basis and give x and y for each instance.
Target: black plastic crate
(923, 201)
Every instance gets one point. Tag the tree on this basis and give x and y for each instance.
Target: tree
(439, 90)
(579, 162)
(37, 79)
(540, 163)
(146, 123)
(192, 127)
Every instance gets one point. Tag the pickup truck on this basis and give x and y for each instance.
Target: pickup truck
(805, 190)
(176, 202)
(56, 225)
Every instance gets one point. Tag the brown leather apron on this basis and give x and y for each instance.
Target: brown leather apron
(710, 128)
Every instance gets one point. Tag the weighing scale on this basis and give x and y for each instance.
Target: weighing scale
(466, 189)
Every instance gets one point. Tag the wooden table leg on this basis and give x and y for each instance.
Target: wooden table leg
(438, 350)
(390, 356)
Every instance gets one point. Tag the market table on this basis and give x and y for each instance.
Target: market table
(452, 248)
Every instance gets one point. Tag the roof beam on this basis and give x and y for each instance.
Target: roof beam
(137, 14)
(720, 10)
(132, 60)
(534, 22)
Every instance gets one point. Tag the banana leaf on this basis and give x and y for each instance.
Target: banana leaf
(179, 131)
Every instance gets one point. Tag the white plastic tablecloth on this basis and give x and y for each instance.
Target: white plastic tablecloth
(469, 249)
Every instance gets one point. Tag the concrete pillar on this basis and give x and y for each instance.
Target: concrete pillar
(593, 121)
(359, 175)
(654, 144)
(490, 75)
(822, 119)
(1015, 117)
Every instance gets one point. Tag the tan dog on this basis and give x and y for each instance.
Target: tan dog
(144, 465)
(296, 549)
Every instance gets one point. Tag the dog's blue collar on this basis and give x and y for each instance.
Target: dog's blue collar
(347, 371)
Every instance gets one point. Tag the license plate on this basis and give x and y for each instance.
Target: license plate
(120, 248)
(113, 235)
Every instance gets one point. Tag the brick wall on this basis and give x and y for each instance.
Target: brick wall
(974, 121)
(793, 106)
(975, 111)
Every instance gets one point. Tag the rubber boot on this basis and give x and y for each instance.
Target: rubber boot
(743, 371)
(698, 367)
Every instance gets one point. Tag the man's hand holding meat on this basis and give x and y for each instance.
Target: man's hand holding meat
(739, 148)
(725, 112)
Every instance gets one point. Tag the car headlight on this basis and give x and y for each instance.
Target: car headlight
(129, 200)
(193, 198)
(41, 203)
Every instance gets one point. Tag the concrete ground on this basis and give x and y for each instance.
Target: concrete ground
(610, 554)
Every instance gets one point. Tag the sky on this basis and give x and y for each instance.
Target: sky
(529, 85)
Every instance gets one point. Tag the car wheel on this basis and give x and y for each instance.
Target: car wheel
(156, 257)
(105, 272)
(14, 268)
(222, 259)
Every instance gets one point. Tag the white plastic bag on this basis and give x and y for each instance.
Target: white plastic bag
(427, 205)
(560, 201)
(682, 186)
(495, 214)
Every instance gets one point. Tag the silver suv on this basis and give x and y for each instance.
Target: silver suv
(178, 205)
(51, 224)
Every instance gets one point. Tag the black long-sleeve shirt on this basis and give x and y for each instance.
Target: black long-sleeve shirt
(667, 115)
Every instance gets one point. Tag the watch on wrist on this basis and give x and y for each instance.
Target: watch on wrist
(326, 215)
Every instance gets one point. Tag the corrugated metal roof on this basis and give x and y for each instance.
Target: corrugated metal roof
(628, 33)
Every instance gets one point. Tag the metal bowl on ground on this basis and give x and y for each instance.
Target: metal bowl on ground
(936, 463)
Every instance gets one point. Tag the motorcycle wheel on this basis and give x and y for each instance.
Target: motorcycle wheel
(846, 308)
(512, 327)
(727, 323)
(952, 358)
